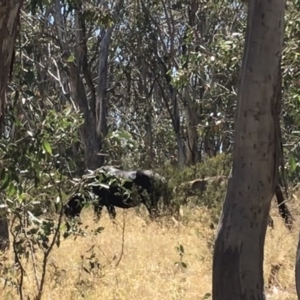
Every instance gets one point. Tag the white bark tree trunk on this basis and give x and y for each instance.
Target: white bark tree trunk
(239, 246)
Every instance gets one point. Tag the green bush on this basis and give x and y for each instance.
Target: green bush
(213, 195)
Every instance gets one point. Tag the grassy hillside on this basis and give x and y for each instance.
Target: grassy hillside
(140, 261)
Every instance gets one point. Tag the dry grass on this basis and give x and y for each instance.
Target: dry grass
(147, 268)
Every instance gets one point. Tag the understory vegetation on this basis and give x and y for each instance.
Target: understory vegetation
(133, 257)
(140, 259)
(140, 84)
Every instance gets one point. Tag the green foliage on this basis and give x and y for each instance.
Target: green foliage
(218, 165)
(211, 196)
(167, 54)
(34, 181)
(118, 144)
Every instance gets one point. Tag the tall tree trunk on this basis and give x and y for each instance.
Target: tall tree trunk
(175, 117)
(101, 106)
(298, 269)
(78, 94)
(101, 99)
(192, 121)
(191, 107)
(88, 131)
(239, 246)
(149, 138)
(173, 111)
(180, 152)
(9, 19)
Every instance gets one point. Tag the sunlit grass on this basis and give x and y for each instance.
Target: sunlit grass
(139, 261)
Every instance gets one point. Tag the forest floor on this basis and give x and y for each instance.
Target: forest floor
(140, 261)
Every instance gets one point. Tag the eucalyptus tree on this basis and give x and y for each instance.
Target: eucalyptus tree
(257, 154)
(9, 26)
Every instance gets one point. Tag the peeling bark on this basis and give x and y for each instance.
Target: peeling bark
(239, 246)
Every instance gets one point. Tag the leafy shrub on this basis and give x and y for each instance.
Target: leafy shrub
(213, 193)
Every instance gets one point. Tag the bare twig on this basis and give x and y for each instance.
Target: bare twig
(33, 262)
(17, 260)
(54, 240)
(123, 241)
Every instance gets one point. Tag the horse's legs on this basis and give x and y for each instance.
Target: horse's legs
(111, 211)
(151, 207)
(97, 211)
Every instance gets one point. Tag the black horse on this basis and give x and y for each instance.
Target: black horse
(124, 189)
(74, 206)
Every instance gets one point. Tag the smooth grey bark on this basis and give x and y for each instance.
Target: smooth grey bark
(145, 91)
(88, 130)
(168, 92)
(297, 269)
(192, 122)
(239, 245)
(9, 18)
(101, 98)
(173, 111)
(191, 108)
(177, 126)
